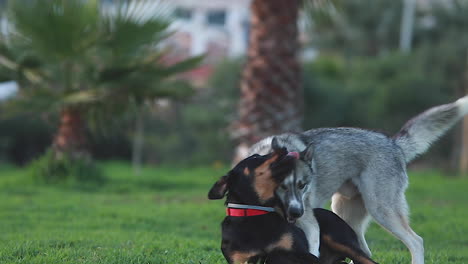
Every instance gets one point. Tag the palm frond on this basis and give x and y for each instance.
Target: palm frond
(56, 30)
(74, 53)
(133, 29)
(81, 97)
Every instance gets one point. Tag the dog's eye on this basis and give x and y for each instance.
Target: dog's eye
(284, 187)
(301, 185)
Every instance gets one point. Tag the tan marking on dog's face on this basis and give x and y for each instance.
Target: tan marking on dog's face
(349, 252)
(239, 257)
(264, 185)
(246, 171)
(285, 242)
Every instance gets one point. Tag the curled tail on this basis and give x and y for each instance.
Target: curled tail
(417, 135)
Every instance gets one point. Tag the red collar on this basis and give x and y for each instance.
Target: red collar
(247, 210)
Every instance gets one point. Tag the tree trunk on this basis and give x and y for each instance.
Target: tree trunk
(271, 92)
(462, 158)
(138, 140)
(463, 161)
(71, 136)
(407, 25)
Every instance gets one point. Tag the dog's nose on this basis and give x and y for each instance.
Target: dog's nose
(295, 212)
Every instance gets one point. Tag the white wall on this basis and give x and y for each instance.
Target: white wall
(232, 34)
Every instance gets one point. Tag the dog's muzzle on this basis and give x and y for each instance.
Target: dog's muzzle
(294, 213)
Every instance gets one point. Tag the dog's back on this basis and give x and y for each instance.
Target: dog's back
(341, 154)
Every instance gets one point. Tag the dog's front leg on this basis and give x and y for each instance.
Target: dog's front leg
(308, 223)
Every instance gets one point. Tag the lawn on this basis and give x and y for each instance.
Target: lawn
(163, 216)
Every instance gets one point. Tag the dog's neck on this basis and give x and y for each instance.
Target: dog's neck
(242, 210)
(232, 198)
(250, 199)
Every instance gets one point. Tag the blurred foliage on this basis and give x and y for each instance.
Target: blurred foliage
(355, 28)
(193, 131)
(19, 145)
(74, 58)
(446, 43)
(327, 103)
(65, 170)
(197, 130)
(378, 93)
(115, 145)
(72, 54)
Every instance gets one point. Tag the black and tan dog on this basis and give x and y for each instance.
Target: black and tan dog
(255, 229)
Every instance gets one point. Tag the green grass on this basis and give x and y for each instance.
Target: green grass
(163, 216)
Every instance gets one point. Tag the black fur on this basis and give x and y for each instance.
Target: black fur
(269, 238)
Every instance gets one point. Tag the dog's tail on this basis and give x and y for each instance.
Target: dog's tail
(419, 133)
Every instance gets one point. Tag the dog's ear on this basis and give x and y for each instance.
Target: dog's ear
(308, 153)
(275, 144)
(219, 189)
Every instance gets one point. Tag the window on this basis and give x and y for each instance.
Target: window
(183, 13)
(216, 18)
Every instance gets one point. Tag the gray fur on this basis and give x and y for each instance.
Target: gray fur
(364, 171)
(419, 133)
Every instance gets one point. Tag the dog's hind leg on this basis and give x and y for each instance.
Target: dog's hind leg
(397, 223)
(353, 211)
(390, 210)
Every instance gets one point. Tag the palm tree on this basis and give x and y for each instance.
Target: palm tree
(463, 159)
(271, 85)
(73, 58)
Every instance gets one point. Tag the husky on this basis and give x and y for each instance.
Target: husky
(363, 172)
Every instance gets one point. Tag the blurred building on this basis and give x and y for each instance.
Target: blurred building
(217, 28)
(214, 28)
(3, 21)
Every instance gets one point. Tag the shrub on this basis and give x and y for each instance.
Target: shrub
(371, 92)
(66, 169)
(197, 131)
